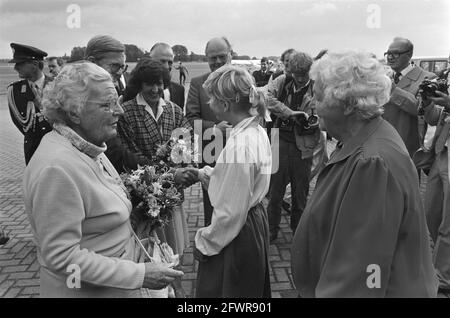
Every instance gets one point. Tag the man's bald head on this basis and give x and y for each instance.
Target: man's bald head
(399, 54)
(218, 52)
(163, 53)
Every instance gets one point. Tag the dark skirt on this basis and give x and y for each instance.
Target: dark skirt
(241, 269)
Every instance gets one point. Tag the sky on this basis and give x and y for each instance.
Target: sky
(254, 27)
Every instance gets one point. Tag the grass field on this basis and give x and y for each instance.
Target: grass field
(8, 75)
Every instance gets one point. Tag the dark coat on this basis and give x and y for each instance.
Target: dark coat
(366, 210)
(177, 94)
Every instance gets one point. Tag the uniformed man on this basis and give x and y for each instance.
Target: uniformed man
(24, 96)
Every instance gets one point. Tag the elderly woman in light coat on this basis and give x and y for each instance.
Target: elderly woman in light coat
(76, 203)
(363, 232)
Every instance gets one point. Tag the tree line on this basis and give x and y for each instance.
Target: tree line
(134, 53)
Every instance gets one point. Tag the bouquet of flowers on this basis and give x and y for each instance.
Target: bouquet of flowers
(153, 193)
(177, 153)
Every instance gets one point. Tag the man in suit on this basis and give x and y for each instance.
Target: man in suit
(218, 53)
(24, 96)
(263, 75)
(437, 194)
(164, 53)
(402, 109)
(109, 53)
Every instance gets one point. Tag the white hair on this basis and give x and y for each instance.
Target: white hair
(69, 91)
(353, 79)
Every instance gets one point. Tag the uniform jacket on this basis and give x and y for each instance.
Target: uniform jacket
(25, 111)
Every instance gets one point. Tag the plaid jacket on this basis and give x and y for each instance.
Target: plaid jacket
(139, 131)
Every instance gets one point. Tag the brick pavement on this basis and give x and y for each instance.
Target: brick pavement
(19, 269)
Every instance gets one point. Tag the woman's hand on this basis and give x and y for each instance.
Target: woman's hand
(158, 275)
(186, 176)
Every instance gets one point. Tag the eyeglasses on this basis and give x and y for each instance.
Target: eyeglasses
(117, 66)
(395, 55)
(111, 106)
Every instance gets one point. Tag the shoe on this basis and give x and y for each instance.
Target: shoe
(286, 206)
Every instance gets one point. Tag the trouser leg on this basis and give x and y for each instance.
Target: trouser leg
(300, 172)
(279, 181)
(441, 255)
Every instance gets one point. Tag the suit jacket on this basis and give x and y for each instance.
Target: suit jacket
(177, 94)
(305, 143)
(262, 79)
(402, 109)
(366, 209)
(25, 111)
(79, 216)
(198, 111)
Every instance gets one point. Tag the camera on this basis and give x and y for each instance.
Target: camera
(430, 87)
(306, 126)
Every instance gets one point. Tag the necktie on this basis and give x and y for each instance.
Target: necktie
(37, 95)
(442, 138)
(397, 77)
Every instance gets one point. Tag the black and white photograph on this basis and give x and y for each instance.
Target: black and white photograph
(242, 150)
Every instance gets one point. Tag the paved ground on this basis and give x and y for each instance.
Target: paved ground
(19, 269)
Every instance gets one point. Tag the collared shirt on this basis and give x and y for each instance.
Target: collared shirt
(405, 71)
(141, 101)
(300, 88)
(238, 182)
(167, 95)
(39, 84)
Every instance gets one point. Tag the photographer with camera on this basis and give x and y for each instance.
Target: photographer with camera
(290, 99)
(436, 108)
(402, 109)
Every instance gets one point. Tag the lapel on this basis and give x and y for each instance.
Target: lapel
(47, 79)
(149, 121)
(411, 77)
(352, 145)
(96, 168)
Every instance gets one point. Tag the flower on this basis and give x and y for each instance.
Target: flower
(153, 193)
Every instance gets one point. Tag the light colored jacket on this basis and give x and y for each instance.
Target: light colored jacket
(401, 111)
(78, 216)
(307, 143)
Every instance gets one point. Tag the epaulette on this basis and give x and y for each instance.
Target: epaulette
(16, 82)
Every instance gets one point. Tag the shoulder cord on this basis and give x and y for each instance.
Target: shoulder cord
(28, 120)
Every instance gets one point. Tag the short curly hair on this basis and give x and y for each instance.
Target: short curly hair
(353, 79)
(149, 71)
(69, 91)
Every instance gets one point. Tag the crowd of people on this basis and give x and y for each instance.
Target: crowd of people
(364, 232)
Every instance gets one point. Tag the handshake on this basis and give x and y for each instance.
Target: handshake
(190, 175)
